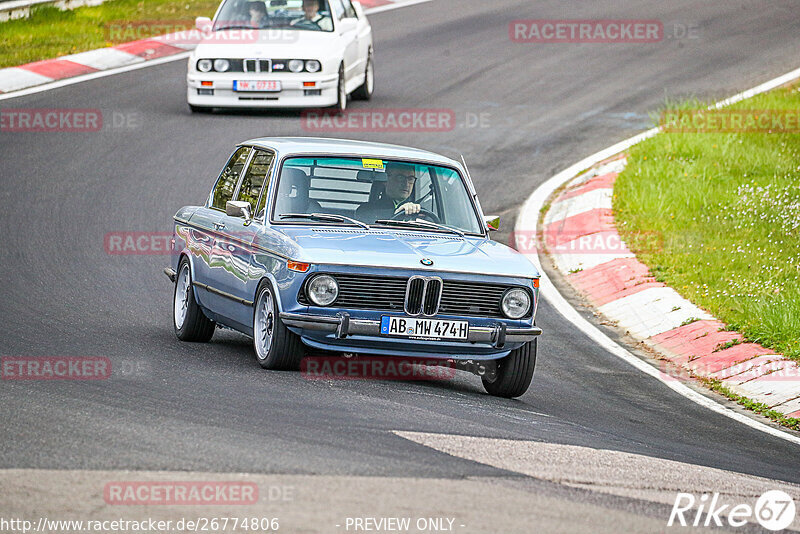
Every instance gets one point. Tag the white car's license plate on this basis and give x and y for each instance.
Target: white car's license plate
(257, 85)
(415, 327)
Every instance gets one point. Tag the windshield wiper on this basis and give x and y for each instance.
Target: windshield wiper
(420, 224)
(324, 217)
(235, 27)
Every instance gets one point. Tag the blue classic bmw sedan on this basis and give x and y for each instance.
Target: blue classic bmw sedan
(354, 247)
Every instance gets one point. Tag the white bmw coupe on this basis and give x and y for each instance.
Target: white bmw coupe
(282, 53)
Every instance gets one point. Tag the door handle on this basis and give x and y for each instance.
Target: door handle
(219, 226)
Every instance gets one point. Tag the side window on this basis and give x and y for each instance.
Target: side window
(226, 185)
(349, 10)
(254, 181)
(337, 8)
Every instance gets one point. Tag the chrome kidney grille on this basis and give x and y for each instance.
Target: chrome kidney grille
(423, 295)
(395, 294)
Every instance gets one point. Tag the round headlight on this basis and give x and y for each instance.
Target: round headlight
(204, 65)
(221, 65)
(313, 65)
(323, 290)
(296, 65)
(516, 303)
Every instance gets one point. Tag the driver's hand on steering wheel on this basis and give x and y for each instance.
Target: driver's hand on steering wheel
(409, 208)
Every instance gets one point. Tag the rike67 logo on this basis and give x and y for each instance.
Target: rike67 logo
(774, 510)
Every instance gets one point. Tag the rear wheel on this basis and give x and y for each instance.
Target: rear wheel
(188, 319)
(365, 91)
(514, 372)
(276, 347)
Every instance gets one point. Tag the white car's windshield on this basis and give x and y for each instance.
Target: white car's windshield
(375, 192)
(309, 15)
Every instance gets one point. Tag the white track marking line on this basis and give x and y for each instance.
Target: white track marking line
(529, 217)
(153, 62)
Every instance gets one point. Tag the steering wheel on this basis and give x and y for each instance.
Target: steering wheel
(307, 24)
(401, 216)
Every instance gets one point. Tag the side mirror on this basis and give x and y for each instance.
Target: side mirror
(492, 222)
(203, 24)
(347, 25)
(238, 208)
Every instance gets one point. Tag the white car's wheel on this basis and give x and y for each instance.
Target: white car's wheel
(275, 345)
(189, 321)
(341, 90)
(364, 92)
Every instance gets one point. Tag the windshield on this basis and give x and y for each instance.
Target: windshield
(375, 192)
(308, 15)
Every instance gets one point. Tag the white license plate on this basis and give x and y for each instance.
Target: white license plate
(414, 327)
(257, 85)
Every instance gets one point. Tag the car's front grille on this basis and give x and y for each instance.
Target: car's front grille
(361, 292)
(388, 293)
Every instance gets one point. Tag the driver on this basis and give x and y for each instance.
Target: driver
(400, 180)
(311, 17)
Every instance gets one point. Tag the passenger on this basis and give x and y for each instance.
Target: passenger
(258, 14)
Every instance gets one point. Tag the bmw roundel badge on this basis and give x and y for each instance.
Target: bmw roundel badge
(426, 261)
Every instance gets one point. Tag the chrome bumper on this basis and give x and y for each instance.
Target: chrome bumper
(343, 325)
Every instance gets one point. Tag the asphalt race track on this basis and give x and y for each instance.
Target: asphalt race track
(209, 407)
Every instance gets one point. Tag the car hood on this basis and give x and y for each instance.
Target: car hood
(284, 44)
(407, 250)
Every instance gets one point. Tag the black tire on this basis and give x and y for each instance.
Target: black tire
(341, 100)
(514, 372)
(196, 326)
(364, 92)
(199, 109)
(286, 350)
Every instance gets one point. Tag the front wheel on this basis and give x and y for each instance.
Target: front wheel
(514, 372)
(341, 90)
(364, 92)
(277, 348)
(188, 319)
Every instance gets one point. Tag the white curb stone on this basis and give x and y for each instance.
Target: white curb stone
(14, 78)
(652, 311)
(592, 200)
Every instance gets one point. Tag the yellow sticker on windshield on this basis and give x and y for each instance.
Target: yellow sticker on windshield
(372, 163)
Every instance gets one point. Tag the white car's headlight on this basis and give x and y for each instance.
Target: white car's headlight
(323, 290)
(516, 303)
(312, 65)
(204, 65)
(221, 65)
(296, 65)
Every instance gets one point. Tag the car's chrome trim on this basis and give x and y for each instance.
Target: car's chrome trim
(432, 269)
(170, 272)
(222, 293)
(425, 284)
(228, 237)
(497, 335)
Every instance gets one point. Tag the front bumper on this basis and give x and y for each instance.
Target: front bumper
(292, 93)
(343, 325)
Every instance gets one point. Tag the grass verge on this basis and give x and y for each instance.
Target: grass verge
(726, 210)
(50, 32)
(759, 408)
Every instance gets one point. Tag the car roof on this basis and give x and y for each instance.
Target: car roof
(347, 147)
